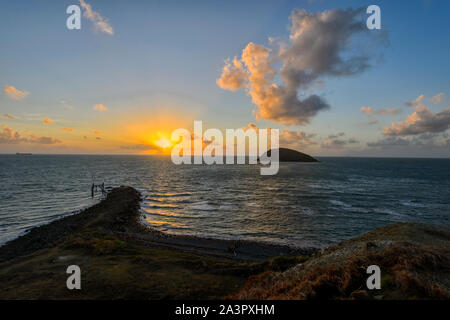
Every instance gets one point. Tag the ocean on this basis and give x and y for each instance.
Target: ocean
(305, 204)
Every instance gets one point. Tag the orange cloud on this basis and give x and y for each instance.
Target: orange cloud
(47, 120)
(438, 98)
(234, 77)
(15, 93)
(8, 135)
(366, 110)
(100, 107)
(289, 138)
(7, 116)
(316, 48)
(421, 121)
(369, 111)
(68, 129)
(96, 132)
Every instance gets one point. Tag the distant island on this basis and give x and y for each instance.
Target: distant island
(23, 154)
(290, 155)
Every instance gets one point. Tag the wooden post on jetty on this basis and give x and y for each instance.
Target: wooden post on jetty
(94, 188)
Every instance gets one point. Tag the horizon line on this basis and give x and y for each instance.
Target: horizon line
(168, 155)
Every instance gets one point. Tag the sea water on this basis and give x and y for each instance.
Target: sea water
(305, 204)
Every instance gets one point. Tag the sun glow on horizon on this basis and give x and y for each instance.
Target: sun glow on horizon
(163, 143)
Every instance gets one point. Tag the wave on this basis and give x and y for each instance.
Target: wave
(203, 206)
(162, 206)
(412, 203)
(170, 195)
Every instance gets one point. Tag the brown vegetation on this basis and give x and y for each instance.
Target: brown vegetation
(121, 260)
(409, 270)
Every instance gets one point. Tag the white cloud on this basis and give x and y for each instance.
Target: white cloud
(101, 24)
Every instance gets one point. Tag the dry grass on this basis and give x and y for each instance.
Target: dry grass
(409, 271)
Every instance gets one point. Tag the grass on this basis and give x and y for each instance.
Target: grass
(409, 271)
(112, 268)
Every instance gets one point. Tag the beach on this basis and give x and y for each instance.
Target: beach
(120, 258)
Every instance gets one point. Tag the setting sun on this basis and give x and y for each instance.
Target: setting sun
(163, 143)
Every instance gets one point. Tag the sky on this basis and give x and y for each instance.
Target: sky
(137, 70)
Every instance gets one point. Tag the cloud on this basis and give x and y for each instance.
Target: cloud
(366, 110)
(66, 104)
(98, 138)
(42, 140)
(417, 102)
(290, 138)
(387, 111)
(422, 128)
(422, 120)
(139, 147)
(9, 136)
(319, 45)
(390, 142)
(338, 141)
(370, 111)
(15, 93)
(100, 107)
(337, 135)
(96, 132)
(373, 120)
(297, 139)
(47, 120)
(68, 129)
(438, 98)
(424, 140)
(7, 116)
(101, 24)
(234, 76)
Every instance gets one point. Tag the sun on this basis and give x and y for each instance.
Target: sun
(163, 143)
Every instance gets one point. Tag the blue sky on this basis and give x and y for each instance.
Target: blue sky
(164, 58)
